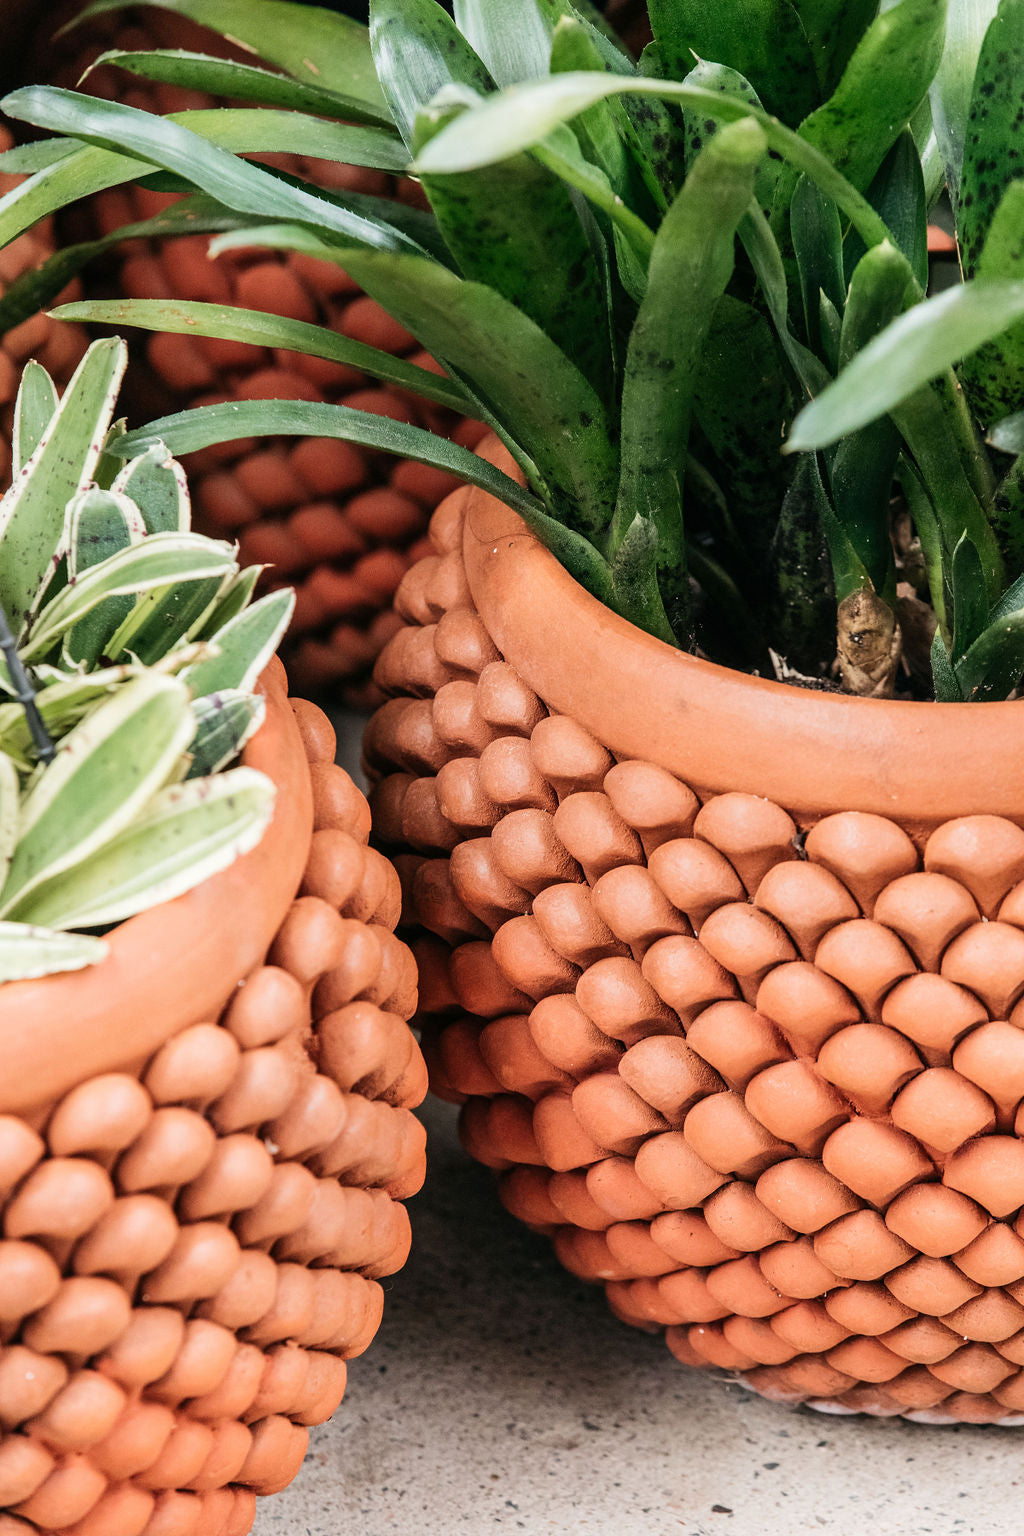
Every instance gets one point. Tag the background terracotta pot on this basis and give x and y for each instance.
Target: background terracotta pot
(727, 976)
(339, 523)
(57, 346)
(204, 1143)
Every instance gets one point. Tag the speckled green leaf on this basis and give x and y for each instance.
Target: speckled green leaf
(966, 24)
(741, 395)
(881, 88)
(801, 594)
(762, 39)
(994, 149)
(636, 589)
(417, 50)
(699, 126)
(994, 375)
(898, 193)
(244, 645)
(817, 237)
(32, 511)
(993, 666)
(691, 264)
(833, 29)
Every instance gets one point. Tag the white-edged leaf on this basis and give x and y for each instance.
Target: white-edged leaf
(225, 721)
(32, 511)
(33, 410)
(27, 951)
(99, 524)
(188, 833)
(105, 771)
(159, 487)
(159, 559)
(10, 796)
(244, 646)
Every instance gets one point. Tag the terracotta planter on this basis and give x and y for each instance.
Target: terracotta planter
(727, 976)
(341, 524)
(204, 1143)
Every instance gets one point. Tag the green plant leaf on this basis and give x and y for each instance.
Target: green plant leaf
(36, 288)
(967, 590)
(33, 410)
(188, 431)
(698, 126)
(884, 82)
(235, 596)
(916, 348)
(1006, 515)
(244, 645)
(523, 115)
(899, 195)
(817, 238)
(100, 523)
(741, 394)
(513, 37)
(247, 82)
(26, 159)
(62, 703)
(966, 24)
(160, 619)
(10, 795)
(762, 39)
(991, 157)
(993, 666)
(765, 258)
(187, 834)
(160, 559)
(691, 264)
(833, 28)
(547, 406)
(27, 952)
(994, 375)
(944, 679)
(32, 511)
(188, 318)
(224, 723)
(801, 593)
(417, 50)
(236, 183)
(1008, 434)
(561, 153)
(635, 586)
(106, 769)
(159, 487)
(308, 42)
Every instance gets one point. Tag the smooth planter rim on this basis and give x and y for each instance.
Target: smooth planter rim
(721, 730)
(179, 961)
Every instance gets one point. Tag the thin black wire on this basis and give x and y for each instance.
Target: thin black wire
(24, 692)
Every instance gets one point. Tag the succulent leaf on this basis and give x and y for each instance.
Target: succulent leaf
(100, 524)
(27, 952)
(36, 402)
(244, 645)
(224, 723)
(106, 769)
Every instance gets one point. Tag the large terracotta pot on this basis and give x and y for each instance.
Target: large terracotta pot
(340, 523)
(204, 1143)
(727, 976)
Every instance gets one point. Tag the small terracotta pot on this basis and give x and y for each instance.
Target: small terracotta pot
(204, 1143)
(727, 976)
(339, 523)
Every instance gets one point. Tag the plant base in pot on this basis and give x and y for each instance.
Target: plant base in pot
(726, 976)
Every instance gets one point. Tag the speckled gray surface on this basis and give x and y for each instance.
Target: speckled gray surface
(501, 1395)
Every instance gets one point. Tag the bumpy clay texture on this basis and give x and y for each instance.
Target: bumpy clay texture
(765, 1084)
(191, 1252)
(341, 524)
(58, 347)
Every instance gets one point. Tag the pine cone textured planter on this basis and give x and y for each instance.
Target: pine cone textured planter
(727, 976)
(203, 1146)
(340, 523)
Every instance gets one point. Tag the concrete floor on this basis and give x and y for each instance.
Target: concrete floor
(501, 1394)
